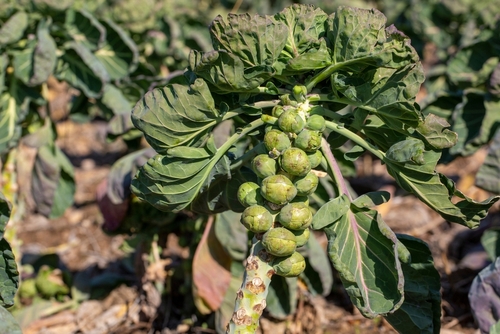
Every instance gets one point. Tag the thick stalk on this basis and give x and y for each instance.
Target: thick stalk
(251, 297)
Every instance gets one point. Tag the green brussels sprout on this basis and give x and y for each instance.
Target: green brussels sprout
(279, 241)
(290, 266)
(295, 216)
(316, 122)
(257, 219)
(315, 158)
(276, 140)
(307, 185)
(302, 236)
(264, 166)
(299, 93)
(295, 161)
(291, 121)
(278, 189)
(27, 289)
(308, 140)
(277, 110)
(249, 194)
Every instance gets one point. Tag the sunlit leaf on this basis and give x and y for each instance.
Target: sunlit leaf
(9, 275)
(13, 30)
(7, 322)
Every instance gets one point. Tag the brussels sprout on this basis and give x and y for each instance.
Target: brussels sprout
(302, 236)
(308, 140)
(264, 166)
(279, 241)
(307, 185)
(315, 158)
(316, 122)
(277, 110)
(257, 219)
(295, 216)
(278, 189)
(295, 161)
(299, 93)
(289, 266)
(291, 121)
(276, 140)
(249, 194)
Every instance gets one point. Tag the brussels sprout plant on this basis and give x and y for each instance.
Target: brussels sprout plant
(306, 92)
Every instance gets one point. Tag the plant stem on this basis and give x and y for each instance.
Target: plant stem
(355, 138)
(251, 297)
(336, 174)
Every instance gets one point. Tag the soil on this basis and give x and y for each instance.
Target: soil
(134, 304)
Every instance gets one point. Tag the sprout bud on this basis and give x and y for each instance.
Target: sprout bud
(264, 166)
(307, 185)
(308, 140)
(276, 140)
(278, 189)
(277, 110)
(295, 161)
(302, 236)
(291, 121)
(299, 93)
(279, 242)
(315, 158)
(316, 123)
(290, 266)
(249, 194)
(295, 216)
(257, 219)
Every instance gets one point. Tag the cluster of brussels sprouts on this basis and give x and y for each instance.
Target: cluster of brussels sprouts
(277, 209)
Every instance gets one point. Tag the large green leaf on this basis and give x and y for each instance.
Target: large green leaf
(281, 299)
(13, 30)
(4, 61)
(119, 54)
(53, 184)
(232, 235)
(36, 61)
(176, 115)
(491, 242)
(9, 276)
(81, 69)
(487, 176)
(85, 29)
(364, 251)
(5, 210)
(13, 110)
(7, 322)
(318, 274)
(434, 189)
(421, 310)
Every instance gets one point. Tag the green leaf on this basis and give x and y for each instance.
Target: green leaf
(5, 210)
(53, 183)
(176, 115)
(434, 131)
(52, 6)
(495, 329)
(364, 251)
(330, 212)
(491, 242)
(487, 176)
(9, 276)
(7, 322)
(410, 150)
(82, 70)
(85, 29)
(371, 199)
(421, 310)
(232, 235)
(119, 54)
(437, 190)
(305, 48)
(281, 299)
(114, 100)
(472, 66)
(36, 61)
(4, 61)
(44, 57)
(13, 30)
(318, 274)
(13, 110)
